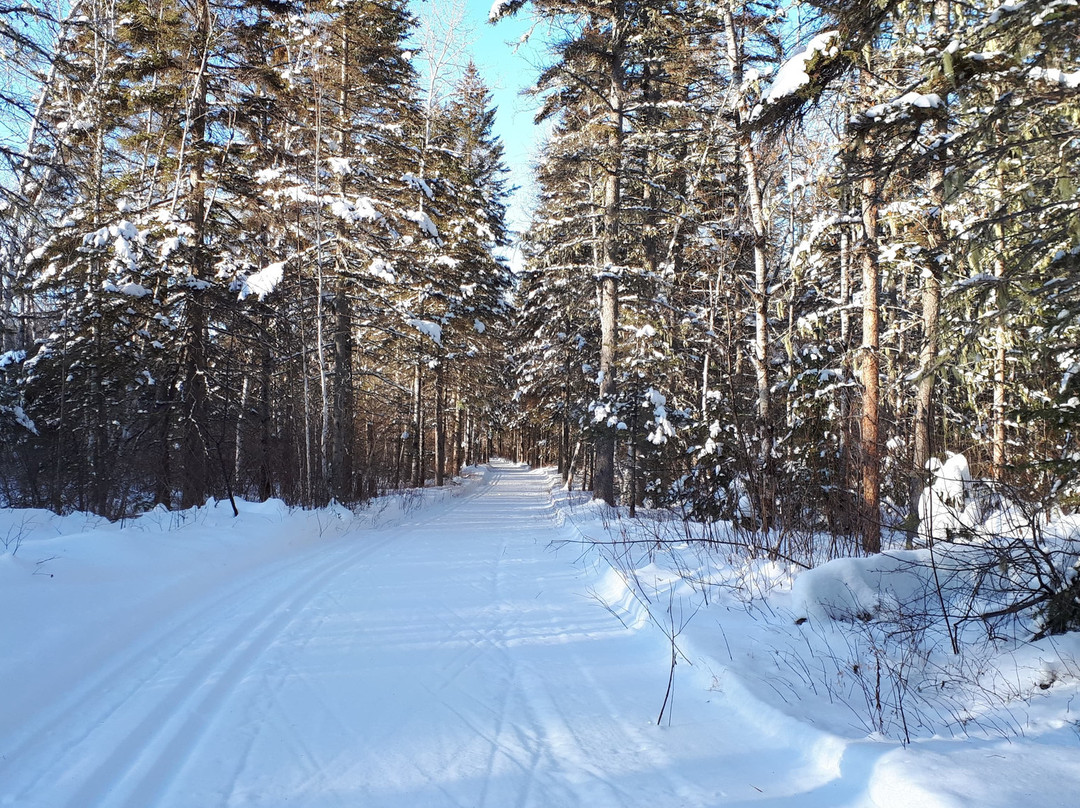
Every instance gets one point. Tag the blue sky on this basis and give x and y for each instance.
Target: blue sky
(507, 71)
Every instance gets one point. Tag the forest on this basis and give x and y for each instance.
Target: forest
(811, 269)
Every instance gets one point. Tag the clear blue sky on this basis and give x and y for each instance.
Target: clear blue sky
(507, 71)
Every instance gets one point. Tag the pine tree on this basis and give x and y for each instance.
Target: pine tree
(473, 281)
(590, 77)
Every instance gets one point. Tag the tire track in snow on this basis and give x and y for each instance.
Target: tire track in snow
(558, 746)
(267, 700)
(168, 735)
(530, 733)
(523, 748)
(143, 740)
(467, 667)
(120, 738)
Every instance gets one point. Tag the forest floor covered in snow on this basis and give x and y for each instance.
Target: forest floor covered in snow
(500, 642)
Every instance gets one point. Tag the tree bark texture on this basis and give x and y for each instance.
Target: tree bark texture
(870, 370)
(604, 475)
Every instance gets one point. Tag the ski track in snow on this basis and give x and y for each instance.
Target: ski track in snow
(454, 660)
(122, 735)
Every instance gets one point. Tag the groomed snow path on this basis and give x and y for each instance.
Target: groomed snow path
(455, 659)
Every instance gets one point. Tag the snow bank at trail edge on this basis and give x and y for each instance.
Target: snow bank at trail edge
(803, 657)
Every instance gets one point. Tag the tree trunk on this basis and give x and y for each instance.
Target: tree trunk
(241, 458)
(845, 280)
(97, 410)
(467, 436)
(931, 304)
(997, 437)
(417, 436)
(265, 478)
(194, 392)
(760, 291)
(870, 368)
(458, 456)
(924, 391)
(564, 433)
(342, 415)
(604, 474)
(440, 425)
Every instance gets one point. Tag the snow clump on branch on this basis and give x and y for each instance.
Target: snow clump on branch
(264, 281)
(793, 74)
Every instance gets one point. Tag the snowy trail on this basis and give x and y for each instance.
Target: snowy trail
(456, 660)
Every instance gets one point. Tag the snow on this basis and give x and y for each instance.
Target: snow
(422, 219)
(11, 358)
(898, 109)
(792, 75)
(124, 253)
(339, 166)
(197, 284)
(170, 245)
(419, 184)
(663, 428)
(360, 210)
(428, 328)
(382, 269)
(832, 662)
(486, 644)
(859, 588)
(602, 414)
(902, 106)
(22, 419)
(1003, 10)
(265, 176)
(133, 289)
(263, 282)
(1072, 372)
(946, 509)
(503, 8)
(1054, 76)
(120, 237)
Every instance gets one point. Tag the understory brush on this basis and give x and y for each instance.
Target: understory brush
(973, 634)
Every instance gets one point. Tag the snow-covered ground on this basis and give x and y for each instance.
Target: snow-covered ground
(463, 647)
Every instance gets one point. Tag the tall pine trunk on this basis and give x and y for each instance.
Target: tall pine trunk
(195, 395)
(760, 288)
(342, 417)
(604, 475)
(870, 364)
(440, 424)
(417, 430)
(997, 436)
(930, 300)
